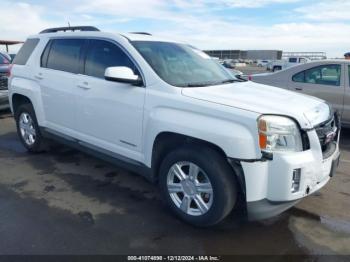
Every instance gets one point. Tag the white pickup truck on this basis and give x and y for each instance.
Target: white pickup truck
(167, 111)
(286, 63)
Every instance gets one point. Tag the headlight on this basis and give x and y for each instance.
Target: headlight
(277, 133)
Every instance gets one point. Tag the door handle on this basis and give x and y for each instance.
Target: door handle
(84, 85)
(39, 76)
(298, 89)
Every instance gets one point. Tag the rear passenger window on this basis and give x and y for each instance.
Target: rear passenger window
(25, 51)
(102, 54)
(65, 55)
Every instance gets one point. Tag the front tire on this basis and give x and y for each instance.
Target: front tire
(198, 185)
(28, 129)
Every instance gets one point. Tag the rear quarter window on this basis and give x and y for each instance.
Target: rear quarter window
(25, 51)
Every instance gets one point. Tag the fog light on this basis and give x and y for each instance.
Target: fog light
(296, 180)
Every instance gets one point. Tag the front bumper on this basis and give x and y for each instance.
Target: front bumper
(4, 100)
(3, 82)
(269, 183)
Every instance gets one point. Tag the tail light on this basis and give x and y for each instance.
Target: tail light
(8, 73)
(250, 77)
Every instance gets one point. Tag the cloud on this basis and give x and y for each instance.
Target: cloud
(254, 3)
(335, 10)
(131, 8)
(284, 36)
(17, 19)
(190, 21)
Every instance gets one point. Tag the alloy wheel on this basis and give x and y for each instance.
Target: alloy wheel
(190, 188)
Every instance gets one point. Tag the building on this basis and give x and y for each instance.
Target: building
(246, 54)
(310, 55)
(264, 54)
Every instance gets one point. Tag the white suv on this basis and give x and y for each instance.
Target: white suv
(170, 113)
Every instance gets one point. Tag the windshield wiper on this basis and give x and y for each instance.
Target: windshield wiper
(202, 84)
(199, 84)
(229, 81)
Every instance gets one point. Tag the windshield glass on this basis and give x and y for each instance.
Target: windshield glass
(182, 65)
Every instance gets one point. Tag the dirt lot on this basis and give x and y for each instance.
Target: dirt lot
(65, 202)
(252, 69)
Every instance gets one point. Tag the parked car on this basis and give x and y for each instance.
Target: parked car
(262, 63)
(4, 68)
(229, 63)
(235, 73)
(326, 79)
(167, 111)
(269, 66)
(5, 58)
(286, 63)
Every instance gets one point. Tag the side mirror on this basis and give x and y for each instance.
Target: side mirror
(122, 74)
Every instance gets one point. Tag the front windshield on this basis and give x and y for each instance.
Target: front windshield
(182, 65)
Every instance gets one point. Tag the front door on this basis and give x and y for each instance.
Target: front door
(110, 114)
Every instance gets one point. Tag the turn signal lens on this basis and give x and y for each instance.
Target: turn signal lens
(262, 141)
(262, 134)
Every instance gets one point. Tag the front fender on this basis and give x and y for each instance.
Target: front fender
(235, 139)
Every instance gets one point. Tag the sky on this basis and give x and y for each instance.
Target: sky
(288, 25)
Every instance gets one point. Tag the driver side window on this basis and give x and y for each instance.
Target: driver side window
(102, 54)
(320, 75)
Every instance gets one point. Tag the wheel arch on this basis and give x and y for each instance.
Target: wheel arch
(167, 141)
(17, 100)
(28, 91)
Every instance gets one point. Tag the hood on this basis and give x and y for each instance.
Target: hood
(263, 99)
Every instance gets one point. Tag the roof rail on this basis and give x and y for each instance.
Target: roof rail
(69, 28)
(140, 33)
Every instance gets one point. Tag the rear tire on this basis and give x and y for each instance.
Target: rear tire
(203, 199)
(28, 129)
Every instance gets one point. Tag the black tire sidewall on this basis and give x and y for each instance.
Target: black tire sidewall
(220, 175)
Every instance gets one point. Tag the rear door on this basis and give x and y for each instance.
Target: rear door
(324, 81)
(58, 75)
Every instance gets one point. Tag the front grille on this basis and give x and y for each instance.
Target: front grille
(327, 133)
(3, 81)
